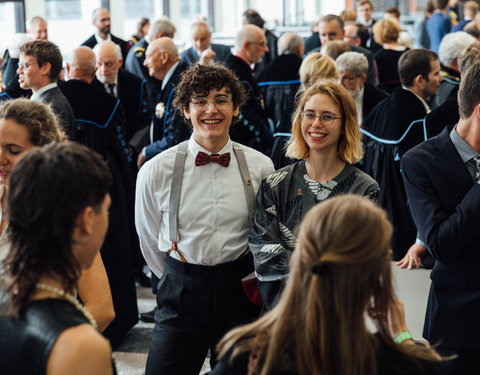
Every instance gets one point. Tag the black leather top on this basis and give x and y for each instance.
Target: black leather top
(26, 342)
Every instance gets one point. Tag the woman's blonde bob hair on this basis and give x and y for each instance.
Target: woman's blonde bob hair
(341, 265)
(386, 31)
(349, 146)
(317, 66)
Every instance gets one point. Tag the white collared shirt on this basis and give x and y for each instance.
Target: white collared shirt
(37, 93)
(115, 88)
(169, 74)
(99, 39)
(213, 211)
(359, 105)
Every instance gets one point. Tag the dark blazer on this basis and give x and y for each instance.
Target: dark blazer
(92, 42)
(60, 106)
(441, 117)
(251, 129)
(190, 56)
(445, 204)
(169, 128)
(371, 97)
(132, 94)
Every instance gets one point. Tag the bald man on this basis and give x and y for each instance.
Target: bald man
(125, 86)
(168, 127)
(101, 21)
(252, 129)
(100, 122)
(203, 50)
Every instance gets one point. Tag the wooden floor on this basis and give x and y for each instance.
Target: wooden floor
(411, 286)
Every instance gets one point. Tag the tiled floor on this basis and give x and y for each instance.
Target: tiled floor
(131, 356)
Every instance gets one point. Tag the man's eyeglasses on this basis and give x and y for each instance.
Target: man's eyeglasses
(220, 102)
(325, 118)
(25, 66)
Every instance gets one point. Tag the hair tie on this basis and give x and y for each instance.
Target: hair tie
(319, 269)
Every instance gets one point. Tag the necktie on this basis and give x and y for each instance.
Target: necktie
(476, 159)
(111, 88)
(203, 159)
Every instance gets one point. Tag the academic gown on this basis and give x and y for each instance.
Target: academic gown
(99, 120)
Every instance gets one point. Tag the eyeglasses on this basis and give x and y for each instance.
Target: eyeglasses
(325, 118)
(349, 79)
(220, 102)
(25, 66)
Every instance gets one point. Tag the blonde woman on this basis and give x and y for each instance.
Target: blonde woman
(317, 66)
(326, 139)
(340, 272)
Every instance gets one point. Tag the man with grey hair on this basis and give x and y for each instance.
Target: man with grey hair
(134, 62)
(203, 50)
(99, 126)
(127, 87)
(101, 20)
(352, 74)
(252, 129)
(451, 46)
(168, 127)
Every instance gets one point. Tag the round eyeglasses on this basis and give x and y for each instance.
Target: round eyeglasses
(220, 102)
(325, 118)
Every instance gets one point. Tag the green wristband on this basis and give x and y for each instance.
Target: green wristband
(402, 336)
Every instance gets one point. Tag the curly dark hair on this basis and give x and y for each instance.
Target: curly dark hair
(49, 188)
(200, 79)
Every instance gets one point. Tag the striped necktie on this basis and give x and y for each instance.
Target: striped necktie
(476, 159)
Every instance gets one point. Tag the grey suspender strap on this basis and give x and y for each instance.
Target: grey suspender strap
(177, 184)
(247, 181)
(175, 190)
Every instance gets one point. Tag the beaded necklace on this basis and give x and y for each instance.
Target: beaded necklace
(70, 298)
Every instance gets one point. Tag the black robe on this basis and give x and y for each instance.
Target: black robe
(99, 125)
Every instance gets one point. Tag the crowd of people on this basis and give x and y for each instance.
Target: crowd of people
(268, 185)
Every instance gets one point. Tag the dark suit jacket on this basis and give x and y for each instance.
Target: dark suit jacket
(133, 96)
(190, 56)
(60, 106)
(445, 205)
(169, 128)
(251, 129)
(92, 42)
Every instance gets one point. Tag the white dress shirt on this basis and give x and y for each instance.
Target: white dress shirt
(213, 211)
(37, 93)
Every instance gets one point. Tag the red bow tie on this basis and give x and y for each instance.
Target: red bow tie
(203, 159)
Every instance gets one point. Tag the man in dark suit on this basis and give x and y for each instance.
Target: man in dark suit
(251, 129)
(123, 85)
(40, 64)
(387, 123)
(442, 182)
(203, 50)
(101, 20)
(330, 28)
(99, 126)
(168, 127)
(352, 74)
(134, 62)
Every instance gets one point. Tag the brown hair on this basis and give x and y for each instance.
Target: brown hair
(39, 120)
(349, 147)
(45, 52)
(340, 266)
(469, 91)
(348, 15)
(335, 48)
(468, 57)
(386, 31)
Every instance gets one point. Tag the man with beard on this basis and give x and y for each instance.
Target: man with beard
(101, 20)
(352, 74)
